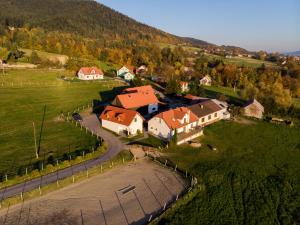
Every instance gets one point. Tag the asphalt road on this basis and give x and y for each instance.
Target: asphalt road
(91, 122)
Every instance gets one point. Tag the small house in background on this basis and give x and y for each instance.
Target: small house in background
(206, 81)
(180, 121)
(184, 86)
(126, 72)
(90, 73)
(253, 109)
(142, 69)
(122, 121)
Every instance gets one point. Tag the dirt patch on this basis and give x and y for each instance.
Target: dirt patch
(129, 194)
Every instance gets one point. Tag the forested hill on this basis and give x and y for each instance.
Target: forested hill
(84, 17)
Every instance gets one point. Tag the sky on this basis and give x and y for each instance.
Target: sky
(270, 25)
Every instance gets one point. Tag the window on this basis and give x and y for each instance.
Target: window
(209, 117)
(216, 114)
(135, 119)
(203, 120)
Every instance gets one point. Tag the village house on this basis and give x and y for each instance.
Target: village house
(180, 121)
(142, 98)
(209, 111)
(90, 73)
(253, 109)
(126, 72)
(122, 121)
(184, 86)
(205, 81)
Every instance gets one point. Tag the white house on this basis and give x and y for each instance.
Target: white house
(181, 121)
(210, 111)
(126, 72)
(184, 86)
(206, 81)
(90, 73)
(122, 121)
(138, 98)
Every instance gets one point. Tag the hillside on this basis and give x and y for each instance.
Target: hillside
(86, 18)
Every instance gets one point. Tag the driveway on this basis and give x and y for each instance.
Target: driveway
(115, 146)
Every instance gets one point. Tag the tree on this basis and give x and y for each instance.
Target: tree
(173, 86)
(34, 58)
(103, 55)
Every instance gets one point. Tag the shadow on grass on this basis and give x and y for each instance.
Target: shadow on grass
(232, 100)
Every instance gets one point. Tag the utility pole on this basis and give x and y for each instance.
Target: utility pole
(35, 145)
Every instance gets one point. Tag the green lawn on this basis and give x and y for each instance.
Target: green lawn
(215, 92)
(296, 102)
(23, 96)
(243, 61)
(252, 178)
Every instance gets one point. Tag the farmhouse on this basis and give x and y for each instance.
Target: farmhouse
(209, 111)
(180, 121)
(253, 109)
(205, 81)
(126, 72)
(90, 73)
(122, 121)
(142, 98)
(184, 86)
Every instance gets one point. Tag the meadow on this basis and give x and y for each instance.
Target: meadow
(39, 96)
(252, 178)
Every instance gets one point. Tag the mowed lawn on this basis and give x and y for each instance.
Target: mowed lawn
(252, 178)
(23, 98)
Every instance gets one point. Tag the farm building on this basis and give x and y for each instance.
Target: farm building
(90, 73)
(122, 121)
(205, 81)
(126, 72)
(142, 98)
(209, 111)
(180, 121)
(253, 109)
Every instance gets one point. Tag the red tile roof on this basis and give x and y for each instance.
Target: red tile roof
(119, 115)
(173, 116)
(89, 70)
(137, 97)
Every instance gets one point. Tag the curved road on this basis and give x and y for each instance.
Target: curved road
(91, 122)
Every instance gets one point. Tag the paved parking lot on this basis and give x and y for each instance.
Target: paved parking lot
(125, 195)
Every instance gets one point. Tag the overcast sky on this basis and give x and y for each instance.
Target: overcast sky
(272, 25)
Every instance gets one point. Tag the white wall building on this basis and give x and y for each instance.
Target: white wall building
(122, 121)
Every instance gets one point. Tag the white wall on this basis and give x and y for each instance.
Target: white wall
(81, 76)
(136, 124)
(212, 118)
(122, 71)
(158, 127)
(128, 76)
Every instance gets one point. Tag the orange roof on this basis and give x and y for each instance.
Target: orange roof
(192, 97)
(119, 115)
(137, 97)
(173, 117)
(89, 70)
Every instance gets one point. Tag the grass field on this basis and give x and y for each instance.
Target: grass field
(23, 96)
(252, 178)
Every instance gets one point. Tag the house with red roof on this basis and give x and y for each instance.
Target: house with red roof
(126, 72)
(137, 98)
(90, 73)
(180, 121)
(184, 86)
(122, 121)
